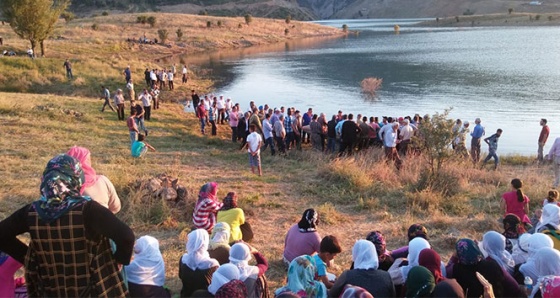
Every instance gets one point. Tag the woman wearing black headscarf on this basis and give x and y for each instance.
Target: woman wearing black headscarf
(69, 254)
(302, 238)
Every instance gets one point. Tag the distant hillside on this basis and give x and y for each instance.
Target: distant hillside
(316, 9)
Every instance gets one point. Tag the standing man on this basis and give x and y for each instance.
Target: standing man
(545, 131)
(477, 133)
(254, 142)
(147, 77)
(119, 102)
(195, 99)
(349, 135)
(305, 138)
(280, 134)
(127, 74)
(105, 94)
(130, 90)
(390, 141)
(146, 99)
(201, 114)
(268, 136)
(68, 67)
(185, 71)
(492, 142)
(170, 75)
(140, 117)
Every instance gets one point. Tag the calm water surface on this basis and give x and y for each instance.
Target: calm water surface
(506, 76)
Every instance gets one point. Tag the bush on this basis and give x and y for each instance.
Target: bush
(105, 13)
(550, 18)
(288, 19)
(68, 16)
(94, 26)
(537, 17)
(345, 28)
(248, 19)
(510, 10)
(179, 33)
(151, 20)
(371, 85)
(286, 31)
(239, 25)
(219, 23)
(468, 12)
(142, 19)
(163, 34)
(457, 19)
(203, 12)
(208, 24)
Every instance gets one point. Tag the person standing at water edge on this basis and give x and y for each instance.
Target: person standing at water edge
(254, 142)
(545, 131)
(68, 67)
(195, 99)
(477, 133)
(554, 155)
(492, 142)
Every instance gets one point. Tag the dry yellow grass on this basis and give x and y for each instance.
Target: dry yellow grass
(353, 195)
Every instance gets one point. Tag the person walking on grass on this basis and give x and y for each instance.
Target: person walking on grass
(201, 115)
(545, 131)
(132, 126)
(68, 67)
(119, 103)
(492, 142)
(254, 143)
(130, 91)
(127, 74)
(140, 117)
(106, 95)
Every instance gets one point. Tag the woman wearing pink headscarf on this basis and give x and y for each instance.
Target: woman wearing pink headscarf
(98, 187)
(206, 207)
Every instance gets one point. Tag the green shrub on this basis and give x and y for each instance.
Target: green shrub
(95, 27)
(219, 23)
(345, 28)
(239, 25)
(151, 20)
(248, 19)
(68, 16)
(286, 31)
(163, 35)
(179, 33)
(288, 19)
(142, 19)
(468, 12)
(510, 10)
(208, 24)
(537, 17)
(105, 13)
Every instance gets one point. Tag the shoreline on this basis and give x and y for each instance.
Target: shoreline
(495, 20)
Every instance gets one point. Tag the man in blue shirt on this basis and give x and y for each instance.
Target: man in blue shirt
(105, 94)
(477, 133)
(492, 142)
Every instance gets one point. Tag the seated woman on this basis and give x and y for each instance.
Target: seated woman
(196, 266)
(232, 215)
(536, 242)
(515, 202)
(520, 251)
(146, 272)
(219, 244)
(512, 229)
(399, 269)
(206, 207)
(430, 259)
(98, 187)
(494, 244)
(8, 267)
(550, 222)
(365, 273)
(385, 259)
(253, 276)
(415, 230)
(301, 280)
(221, 277)
(552, 198)
(232, 289)
(420, 282)
(302, 238)
(549, 287)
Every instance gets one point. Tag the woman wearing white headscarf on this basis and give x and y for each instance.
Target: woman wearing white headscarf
(520, 252)
(365, 273)
(554, 155)
(196, 266)
(549, 223)
(398, 272)
(536, 242)
(219, 243)
(146, 273)
(224, 274)
(494, 245)
(240, 255)
(547, 262)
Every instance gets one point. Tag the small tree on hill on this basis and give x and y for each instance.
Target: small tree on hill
(151, 20)
(248, 19)
(288, 19)
(33, 20)
(510, 10)
(345, 28)
(142, 19)
(179, 33)
(105, 13)
(68, 16)
(208, 24)
(435, 136)
(219, 23)
(163, 35)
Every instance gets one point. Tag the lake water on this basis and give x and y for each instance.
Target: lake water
(508, 77)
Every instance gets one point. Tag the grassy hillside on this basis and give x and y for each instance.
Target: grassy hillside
(352, 195)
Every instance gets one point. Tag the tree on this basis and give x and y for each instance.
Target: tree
(68, 16)
(510, 10)
(33, 20)
(248, 19)
(163, 34)
(345, 28)
(288, 19)
(151, 20)
(179, 34)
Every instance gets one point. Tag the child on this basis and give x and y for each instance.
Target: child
(139, 148)
(327, 252)
(254, 142)
(552, 198)
(132, 127)
(492, 142)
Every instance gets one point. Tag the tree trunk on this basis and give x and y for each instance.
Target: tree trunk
(42, 43)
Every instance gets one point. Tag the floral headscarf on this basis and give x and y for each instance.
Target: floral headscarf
(208, 191)
(60, 188)
(84, 157)
(376, 237)
(309, 221)
(550, 286)
(417, 230)
(233, 289)
(468, 252)
(301, 279)
(230, 201)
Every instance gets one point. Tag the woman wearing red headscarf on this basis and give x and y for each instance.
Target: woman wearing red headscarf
(204, 215)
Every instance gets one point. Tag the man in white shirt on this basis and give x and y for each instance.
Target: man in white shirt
(405, 136)
(153, 77)
(146, 99)
(254, 143)
(390, 140)
(170, 79)
(130, 90)
(221, 106)
(229, 106)
(185, 71)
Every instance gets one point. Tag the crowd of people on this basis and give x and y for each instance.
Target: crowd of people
(78, 247)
